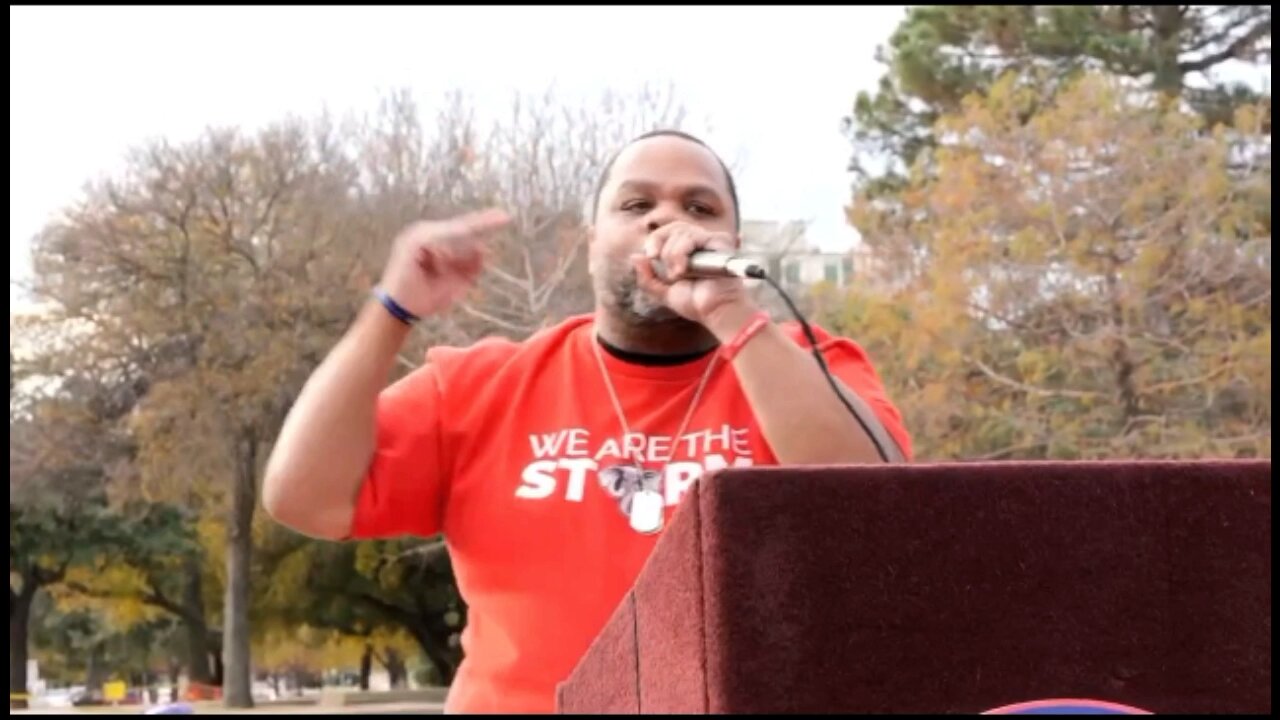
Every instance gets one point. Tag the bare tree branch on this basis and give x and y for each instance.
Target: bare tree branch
(1030, 389)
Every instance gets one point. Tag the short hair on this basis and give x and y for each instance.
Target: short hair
(608, 169)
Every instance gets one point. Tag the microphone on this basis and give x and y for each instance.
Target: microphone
(715, 263)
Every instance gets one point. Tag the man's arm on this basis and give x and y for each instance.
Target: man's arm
(329, 439)
(799, 413)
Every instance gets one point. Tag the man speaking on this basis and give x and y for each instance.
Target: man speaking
(551, 465)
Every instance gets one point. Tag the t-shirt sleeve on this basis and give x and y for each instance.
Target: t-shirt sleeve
(852, 366)
(403, 492)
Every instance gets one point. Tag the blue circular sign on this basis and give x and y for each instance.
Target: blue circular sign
(1067, 706)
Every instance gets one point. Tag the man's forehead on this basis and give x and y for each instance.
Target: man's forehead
(668, 149)
(685, 186)
(664, 160)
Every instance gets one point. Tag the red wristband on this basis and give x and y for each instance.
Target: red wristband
(755, 325)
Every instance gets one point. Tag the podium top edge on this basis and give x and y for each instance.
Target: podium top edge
(948, 464)
(1002, 467)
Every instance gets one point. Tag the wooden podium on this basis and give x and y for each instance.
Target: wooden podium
(951, 588)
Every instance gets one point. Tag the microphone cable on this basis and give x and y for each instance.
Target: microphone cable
(758, 273)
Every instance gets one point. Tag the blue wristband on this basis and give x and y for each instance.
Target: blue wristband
(394, 307)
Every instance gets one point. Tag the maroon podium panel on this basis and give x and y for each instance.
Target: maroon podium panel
(949, 588)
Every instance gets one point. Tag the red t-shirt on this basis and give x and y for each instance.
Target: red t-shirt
(498, 446)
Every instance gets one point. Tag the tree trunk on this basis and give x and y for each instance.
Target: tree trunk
(19, 624)
(436, 655)
(96, 673)
(204, 653)
(1125, 367)
(199, 648)
(175, 674)
(396, 669)
(366, 665)
(1168, 28)
(235, 645)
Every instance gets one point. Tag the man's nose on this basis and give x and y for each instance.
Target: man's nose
(662, 214)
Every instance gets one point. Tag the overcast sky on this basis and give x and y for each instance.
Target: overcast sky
(85, 84)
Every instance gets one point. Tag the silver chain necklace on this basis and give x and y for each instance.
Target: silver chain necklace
(639, 490)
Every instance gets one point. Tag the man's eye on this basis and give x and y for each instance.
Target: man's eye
(633, 205)
(702, 209)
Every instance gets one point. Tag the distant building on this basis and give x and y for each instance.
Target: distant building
(791, 258)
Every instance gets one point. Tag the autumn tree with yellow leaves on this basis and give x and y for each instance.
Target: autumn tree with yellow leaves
(1092, 280)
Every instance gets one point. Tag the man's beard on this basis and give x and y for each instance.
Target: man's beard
(638, 307)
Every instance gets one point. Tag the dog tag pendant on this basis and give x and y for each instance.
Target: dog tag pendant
(647, 512)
